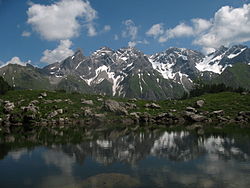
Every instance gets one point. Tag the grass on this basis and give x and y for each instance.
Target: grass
(230, 102)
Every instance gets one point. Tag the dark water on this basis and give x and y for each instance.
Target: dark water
(150, 160)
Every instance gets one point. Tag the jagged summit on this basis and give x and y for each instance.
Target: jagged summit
(128, 72)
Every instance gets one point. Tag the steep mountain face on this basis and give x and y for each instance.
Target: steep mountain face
(127, 72)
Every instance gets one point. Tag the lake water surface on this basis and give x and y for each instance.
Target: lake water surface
(139, 160)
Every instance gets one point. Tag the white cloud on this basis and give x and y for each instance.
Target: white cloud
(116, 37)
(181, 30)
(201, 25)
(229, 26)
(26, 34)
(15, 60)
(107, 28)
(156, 30)
(91, 30)
(131, 30)
(58, 54)
(61, 20)
(134, 43)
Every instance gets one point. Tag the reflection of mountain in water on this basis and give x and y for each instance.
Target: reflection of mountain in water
(174, 146)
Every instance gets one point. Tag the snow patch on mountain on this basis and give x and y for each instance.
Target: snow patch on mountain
(231, 56)
(206, 65)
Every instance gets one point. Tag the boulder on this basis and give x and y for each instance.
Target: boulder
(115, 107)
(130, 106)
(53, 114)
(44, 94)
(87, 102)
(60, 111)
(217, 112)
(152, 106)
(8, 107)
(197, 118)
(199, 103)
(191, 109)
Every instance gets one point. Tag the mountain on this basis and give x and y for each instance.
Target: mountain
(128, 72)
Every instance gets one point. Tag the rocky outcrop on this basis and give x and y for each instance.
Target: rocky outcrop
(115, 107)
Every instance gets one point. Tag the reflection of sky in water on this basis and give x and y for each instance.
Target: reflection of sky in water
(175, 159)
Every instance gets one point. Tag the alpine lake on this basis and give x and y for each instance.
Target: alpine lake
(117, 158)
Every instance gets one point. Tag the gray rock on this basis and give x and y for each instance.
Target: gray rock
(197, 118)
(130, 106)
(152, 106)
(200, 103)
(191, 109)
(30, 108)
(34, 102)
(218, 112)
(44, 94)
(76, 116)
(60, 111)
(114, 106)
(8, 107)
(53, 114)
(87, 102)
(136, 115)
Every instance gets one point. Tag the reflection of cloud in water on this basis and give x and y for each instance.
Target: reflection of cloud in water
(17, 154)
(60, 160)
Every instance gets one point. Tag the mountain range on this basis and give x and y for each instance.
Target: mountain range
(128, 72)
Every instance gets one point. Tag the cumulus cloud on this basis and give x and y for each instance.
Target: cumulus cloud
(131, 30)
(132, 44)
(107, 28)
(156, 30)
(229, 26)
(60, 20)
(58, 54)
(15, 60)
(181, 30)
(26, 34)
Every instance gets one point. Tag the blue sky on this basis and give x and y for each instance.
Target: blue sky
(44, 31)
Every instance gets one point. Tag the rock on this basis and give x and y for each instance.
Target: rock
(87, 102)
(245, 114)
(76, 116)
(191, 109)
(133, 100)
(44, 94)
(200, 103)
(114, 106)
(58, 100)
(87, 112)
(152, 106)
(100, 99)
(68, 101)
(53, 114)
(60, 111)
(40, 97)
(164, 115)
(136, 115)
(217, 112)
(34, 102)
(197, 118)
(130, 106)
(110, 180)
(8, 107)
(30, 108)
(244, 93)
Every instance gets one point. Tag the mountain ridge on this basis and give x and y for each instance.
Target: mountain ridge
(128, 72)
